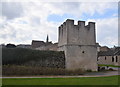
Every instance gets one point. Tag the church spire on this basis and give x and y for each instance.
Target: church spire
(47, 39)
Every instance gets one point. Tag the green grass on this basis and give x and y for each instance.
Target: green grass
(108, 65)
(111, 80)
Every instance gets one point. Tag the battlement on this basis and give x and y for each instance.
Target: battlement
(80, 23)
(79, 34)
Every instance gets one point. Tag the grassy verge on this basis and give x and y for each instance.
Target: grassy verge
(111, 80)
(108, 65)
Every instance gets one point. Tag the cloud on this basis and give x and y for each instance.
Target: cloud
(78, 9)
(15, 31)
(11, 10)
(22, 22)
(107, 31)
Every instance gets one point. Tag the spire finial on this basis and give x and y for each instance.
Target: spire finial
(47, 39)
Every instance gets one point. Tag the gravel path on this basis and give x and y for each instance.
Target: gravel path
(92, 74)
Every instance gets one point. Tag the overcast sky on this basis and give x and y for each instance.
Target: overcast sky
(22, 22)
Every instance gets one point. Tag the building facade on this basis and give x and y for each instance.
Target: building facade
(109, 57)
(41, 45)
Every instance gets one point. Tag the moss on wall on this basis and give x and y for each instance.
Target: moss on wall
(22, 56)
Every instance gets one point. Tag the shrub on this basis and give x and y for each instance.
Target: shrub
(89, 70)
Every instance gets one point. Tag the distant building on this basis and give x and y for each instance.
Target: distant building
(41, 45)
(109, 56)
(104, 48)
(117, 56)
(24, 46)
(36, 43)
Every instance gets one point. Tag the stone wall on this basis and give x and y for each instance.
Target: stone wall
(52, 62)
(23, 56)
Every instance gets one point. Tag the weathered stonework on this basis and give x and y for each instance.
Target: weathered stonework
(79, 44)
(29, 57)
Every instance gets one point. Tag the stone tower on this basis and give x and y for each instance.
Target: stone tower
(79, 44)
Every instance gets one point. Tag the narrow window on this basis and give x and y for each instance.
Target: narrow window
(83, 51)
(105, 57)
(116, 59)
(112, 59)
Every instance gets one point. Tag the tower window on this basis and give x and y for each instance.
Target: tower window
(116, 59)
(112, 59)
(83, 51)
(105, 57)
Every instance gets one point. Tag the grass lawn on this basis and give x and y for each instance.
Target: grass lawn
(111, 80)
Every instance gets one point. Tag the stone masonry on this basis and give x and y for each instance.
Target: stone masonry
(79, 44)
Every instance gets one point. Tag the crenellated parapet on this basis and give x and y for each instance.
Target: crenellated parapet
(80, 34)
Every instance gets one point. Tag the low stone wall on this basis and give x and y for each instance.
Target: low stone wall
(29, 57)
(53, 62)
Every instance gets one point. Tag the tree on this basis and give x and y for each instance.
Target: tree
(10, 45)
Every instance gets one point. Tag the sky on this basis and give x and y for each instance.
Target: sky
(22, 22)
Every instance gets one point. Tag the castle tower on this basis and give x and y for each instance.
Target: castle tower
(79, 44)
(47, 39)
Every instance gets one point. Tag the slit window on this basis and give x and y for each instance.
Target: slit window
(116, 59)
(112, 59)
(83, 51)
(105, 57)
